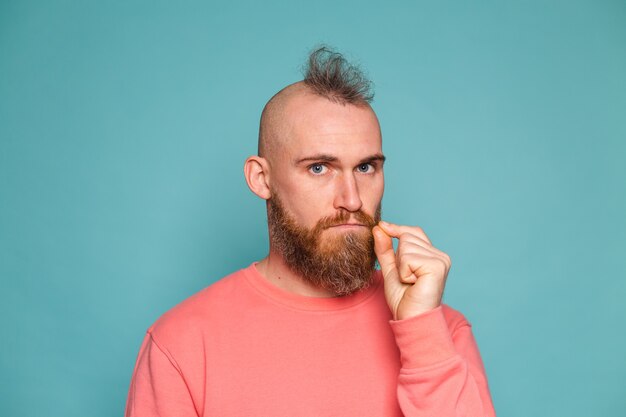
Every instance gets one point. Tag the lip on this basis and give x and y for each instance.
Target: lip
(348, 225)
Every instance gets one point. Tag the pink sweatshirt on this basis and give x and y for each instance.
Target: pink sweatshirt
(244, 347)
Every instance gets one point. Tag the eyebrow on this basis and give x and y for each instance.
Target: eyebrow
(329, 158)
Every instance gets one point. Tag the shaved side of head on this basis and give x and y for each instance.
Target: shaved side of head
(326, 74)
(274, 127)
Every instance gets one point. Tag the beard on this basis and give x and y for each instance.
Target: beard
(341, 263)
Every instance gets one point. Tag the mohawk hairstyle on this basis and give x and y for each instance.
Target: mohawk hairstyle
(330, 75)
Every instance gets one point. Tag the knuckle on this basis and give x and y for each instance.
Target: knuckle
(443, 262)
(402, 257)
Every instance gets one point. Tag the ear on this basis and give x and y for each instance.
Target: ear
(256, 170)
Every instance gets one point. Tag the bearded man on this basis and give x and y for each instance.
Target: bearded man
(314, 329)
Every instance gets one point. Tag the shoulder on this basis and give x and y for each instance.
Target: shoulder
(191, 316)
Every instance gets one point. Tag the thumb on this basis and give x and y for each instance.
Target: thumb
(383, 246)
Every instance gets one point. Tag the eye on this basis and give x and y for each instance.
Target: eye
(365, 168)
(317, 169)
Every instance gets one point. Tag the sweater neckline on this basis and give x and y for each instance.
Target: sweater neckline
(302, 302)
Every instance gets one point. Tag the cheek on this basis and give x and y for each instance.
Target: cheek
(372, 193)
(305, 207)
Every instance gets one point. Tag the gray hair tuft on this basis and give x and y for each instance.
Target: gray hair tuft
(330, 75)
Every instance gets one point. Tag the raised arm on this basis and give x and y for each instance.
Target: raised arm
(442, 373)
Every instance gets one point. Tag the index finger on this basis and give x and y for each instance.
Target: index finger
(395, 230)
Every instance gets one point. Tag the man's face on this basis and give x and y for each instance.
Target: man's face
(327, 184)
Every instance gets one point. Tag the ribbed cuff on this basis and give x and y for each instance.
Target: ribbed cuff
(424, 339)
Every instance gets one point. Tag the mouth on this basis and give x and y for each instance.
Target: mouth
(347, 226)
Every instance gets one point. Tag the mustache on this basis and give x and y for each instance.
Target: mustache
(343, 216)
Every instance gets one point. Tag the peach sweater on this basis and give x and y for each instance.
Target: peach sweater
(244, 347)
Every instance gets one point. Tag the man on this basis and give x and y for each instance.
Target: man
(314, 329)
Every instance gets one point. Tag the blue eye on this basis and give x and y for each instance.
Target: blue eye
(365, 167)
(317, 168)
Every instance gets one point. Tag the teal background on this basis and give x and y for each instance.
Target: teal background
(123, 131)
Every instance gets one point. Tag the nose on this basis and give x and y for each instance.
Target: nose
(347, 196)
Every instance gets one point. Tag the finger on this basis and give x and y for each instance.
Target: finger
(410, 263)
(383, 246)
(395, 230)
(414, 266)
(409, 241)
(414, 239)
(406, 248)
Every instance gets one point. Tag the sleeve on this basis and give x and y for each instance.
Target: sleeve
(441, 373)
(157, 387)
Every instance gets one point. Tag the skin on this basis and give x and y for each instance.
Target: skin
(320, 157)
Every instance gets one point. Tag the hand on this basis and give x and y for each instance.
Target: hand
(415, 276)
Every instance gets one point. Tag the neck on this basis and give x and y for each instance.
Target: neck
(275, 270)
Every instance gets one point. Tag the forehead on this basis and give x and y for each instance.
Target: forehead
(318, 125)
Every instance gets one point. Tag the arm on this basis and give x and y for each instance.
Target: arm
(442, 373)
(157, 387)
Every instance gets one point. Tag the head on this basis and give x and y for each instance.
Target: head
(320, 169)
